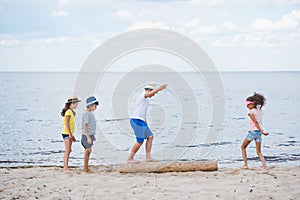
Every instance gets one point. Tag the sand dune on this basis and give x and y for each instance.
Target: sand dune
(108, 183)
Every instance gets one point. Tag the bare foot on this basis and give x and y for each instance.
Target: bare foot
(86, 170)
(132, 161)
(67, 171)
(150, 160)
(245, 167)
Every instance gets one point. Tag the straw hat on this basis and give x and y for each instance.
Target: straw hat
(73, 99)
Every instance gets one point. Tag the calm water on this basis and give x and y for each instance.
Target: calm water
(30, 121)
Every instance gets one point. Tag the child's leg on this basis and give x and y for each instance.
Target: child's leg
(87, 153)
(68, 149)
(148, 149)
(244, 153)
(134, 149)
(149, 135)
(261, 157)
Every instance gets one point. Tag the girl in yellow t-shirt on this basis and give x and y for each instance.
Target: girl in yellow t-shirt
(68, 127)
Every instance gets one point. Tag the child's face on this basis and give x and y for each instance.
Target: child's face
(92, 107)
(74, 105)
(250, 106)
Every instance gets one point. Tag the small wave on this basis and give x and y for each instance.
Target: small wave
(279, 133)
(239, 118)
(282, 158)
(33, 120)
(15, 162)
(43, 153)
(289, 143)
(21, 109)
(57, 141)
(192, 123)
(114, 120)
(204, 145)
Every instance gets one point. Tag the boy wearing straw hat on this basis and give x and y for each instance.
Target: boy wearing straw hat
(139, 124)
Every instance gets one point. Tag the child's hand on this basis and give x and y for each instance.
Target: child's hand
(72, 138)
(164, 86)
(89, 140)
(265, 133)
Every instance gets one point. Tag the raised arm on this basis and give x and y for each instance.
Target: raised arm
(153, 92)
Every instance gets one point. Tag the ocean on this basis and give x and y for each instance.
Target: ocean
(180, 117)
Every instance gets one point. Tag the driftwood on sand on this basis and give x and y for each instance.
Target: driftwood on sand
(160, 167)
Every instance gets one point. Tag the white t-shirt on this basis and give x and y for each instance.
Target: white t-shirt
(258, 116)
(141, 107)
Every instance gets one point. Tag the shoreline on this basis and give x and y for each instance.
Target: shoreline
(232, 166)
(105, 182)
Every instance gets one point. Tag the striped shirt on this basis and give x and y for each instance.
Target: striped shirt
(88, 118)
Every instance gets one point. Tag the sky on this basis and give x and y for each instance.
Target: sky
(238, 35)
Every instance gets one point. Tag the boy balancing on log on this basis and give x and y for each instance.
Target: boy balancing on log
(139, 124)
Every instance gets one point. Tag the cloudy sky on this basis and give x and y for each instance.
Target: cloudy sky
(58, 35)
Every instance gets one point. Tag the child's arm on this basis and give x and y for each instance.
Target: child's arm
(252, 117)
(153, 92)
(68, 117)
(89, 140)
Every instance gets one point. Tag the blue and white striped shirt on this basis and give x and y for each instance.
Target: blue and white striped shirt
(88, 118)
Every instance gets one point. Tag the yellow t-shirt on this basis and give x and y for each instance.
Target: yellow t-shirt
(71, 123)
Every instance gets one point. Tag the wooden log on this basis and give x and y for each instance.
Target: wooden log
(160, 167)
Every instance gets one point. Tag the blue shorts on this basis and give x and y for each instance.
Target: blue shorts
(141, 130)
(254, 135)
(84, 142)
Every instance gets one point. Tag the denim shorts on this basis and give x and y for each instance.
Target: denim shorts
(65, 136)
(254, 135)
(84, 142)
(141, 130)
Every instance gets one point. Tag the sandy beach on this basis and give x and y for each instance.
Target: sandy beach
(107, 183)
